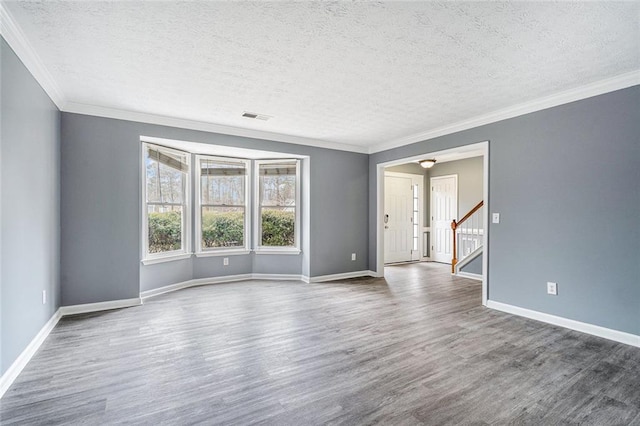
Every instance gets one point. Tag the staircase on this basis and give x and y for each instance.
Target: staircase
(468, 239)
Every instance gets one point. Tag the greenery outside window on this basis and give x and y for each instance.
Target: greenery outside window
(277, 205)
(221, 216)
(166, 208)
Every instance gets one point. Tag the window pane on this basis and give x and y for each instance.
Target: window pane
(153, 183)
(165, 228)
(171, 185)
(278, 226)
(222, 227)
(278, 190)
(165, 183)
(222, 182)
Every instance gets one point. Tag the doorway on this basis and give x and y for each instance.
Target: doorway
(444, 209)
(402, 205)
(480, 149)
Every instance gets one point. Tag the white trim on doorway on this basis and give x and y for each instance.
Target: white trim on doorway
(419, 180)
(434, 228)
(483, 149)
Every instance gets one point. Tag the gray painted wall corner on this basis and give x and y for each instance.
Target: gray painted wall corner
(30, 209)
(100, 244)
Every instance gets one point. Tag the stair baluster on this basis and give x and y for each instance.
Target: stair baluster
(465, 241)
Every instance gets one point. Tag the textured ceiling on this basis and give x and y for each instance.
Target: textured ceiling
(361, 73)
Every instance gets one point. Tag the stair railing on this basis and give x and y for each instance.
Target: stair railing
(470, 234)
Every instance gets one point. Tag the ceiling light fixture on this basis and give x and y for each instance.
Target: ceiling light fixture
(427, 164)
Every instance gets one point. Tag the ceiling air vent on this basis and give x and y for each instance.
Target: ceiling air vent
(256, 116)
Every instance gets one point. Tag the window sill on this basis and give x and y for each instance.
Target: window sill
(154, 260)
(222, 253)
(291, 250)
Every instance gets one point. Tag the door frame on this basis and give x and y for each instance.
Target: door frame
(433, 234)
(481, 146)
(414, 177)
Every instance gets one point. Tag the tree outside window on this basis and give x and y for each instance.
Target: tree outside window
(223, 190)
(278, 203)
(166, 173)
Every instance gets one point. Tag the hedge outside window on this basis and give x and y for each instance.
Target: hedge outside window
(278, 195)
(166, 174)
(222, 215)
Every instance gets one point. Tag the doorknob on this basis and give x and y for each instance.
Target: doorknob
(386, 218)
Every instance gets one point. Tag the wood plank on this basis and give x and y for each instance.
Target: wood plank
(414, 348)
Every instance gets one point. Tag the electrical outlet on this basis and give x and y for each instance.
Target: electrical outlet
(495, 218)
(353, 256)
(44, 296)
(552, 288)
(225, 261)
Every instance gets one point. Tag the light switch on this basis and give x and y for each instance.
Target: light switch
(496, 218)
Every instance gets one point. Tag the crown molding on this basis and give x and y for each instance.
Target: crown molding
(162, 120)
(622, 81)
(17, 40)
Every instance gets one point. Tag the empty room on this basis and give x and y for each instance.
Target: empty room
(319, 212)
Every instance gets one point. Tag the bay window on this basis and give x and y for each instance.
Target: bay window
(222, 217)
(166, 183)
(277, 205)
(240, 205)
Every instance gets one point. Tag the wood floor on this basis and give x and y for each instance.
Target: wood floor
(417, 348)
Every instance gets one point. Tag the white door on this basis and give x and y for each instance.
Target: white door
(444, 209)
(398, 219)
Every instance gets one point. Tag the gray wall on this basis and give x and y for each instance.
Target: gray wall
(474, 266)
(101, 212)
(166, 273)
(565, 181)
(30, 189)
(470, 178)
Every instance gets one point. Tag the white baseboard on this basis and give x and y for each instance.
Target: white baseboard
(243, 277)
(23, 359)
(469, 275)
(193, 283)
(100, 306)
(343, 276)
(595, 330)
(219, 280)
(277, 277)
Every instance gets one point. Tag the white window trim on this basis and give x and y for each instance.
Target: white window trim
(222, 251)
(185, 252)
(259, 249)
(277, 250)
(168, 258)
